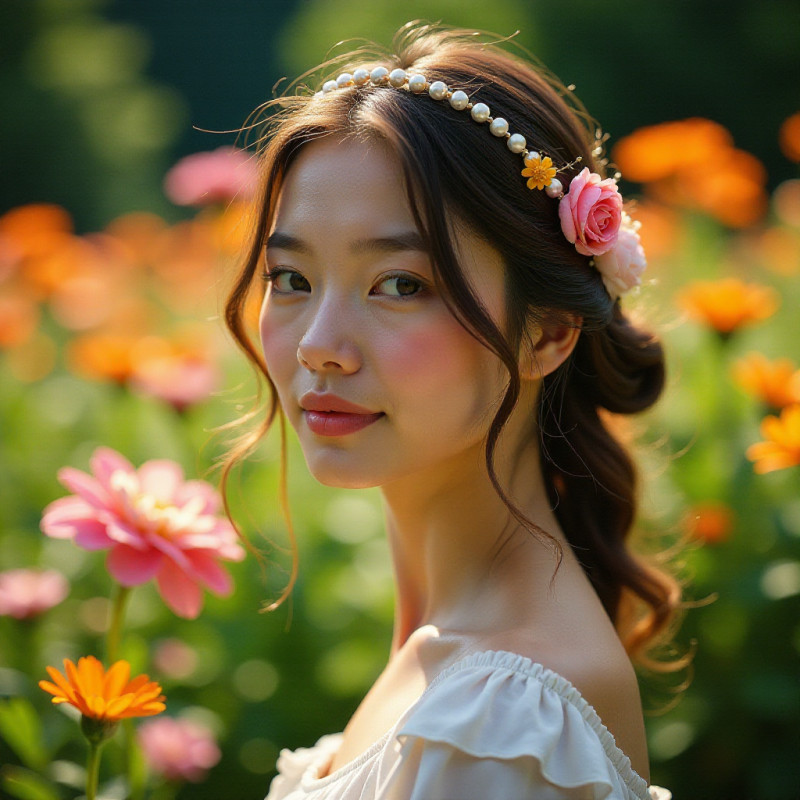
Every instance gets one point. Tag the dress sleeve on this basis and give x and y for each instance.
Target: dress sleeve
(500, 726)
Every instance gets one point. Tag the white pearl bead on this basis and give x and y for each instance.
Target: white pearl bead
(397, 77)
(498, 126)
(555, 188)
(417, 83)
(344, 79)
(480, 112)
(438, 90)
(378, 74)
(516, 143)
(329, 86)
(532, 156)
(360, 76)
(459, 100)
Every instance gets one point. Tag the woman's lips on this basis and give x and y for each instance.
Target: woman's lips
(338, 423)
(328, 414)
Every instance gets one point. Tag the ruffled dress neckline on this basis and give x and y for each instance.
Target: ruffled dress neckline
(308, 766)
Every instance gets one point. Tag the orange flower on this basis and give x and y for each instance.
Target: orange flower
(659, 151)
(776, 383)
(731, 189)
(693, 163)
(728, 304)
(103, 356)
(105, 696)
(789, 137)
(36, 229)
(539, 171)
(711, 523)
(782, 448)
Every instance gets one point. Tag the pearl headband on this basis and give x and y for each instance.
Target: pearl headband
(591, 213)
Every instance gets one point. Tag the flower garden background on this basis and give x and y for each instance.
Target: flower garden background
(116, 384)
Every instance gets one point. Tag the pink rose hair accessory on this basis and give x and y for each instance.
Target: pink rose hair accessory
(622, 266)
(591, 212)
(593, 219)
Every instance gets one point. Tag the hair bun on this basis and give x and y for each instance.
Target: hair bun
(619, 368)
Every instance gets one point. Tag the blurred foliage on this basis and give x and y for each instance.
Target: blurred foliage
(96, 117)
(94, 134)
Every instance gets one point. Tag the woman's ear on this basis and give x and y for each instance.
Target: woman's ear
(548, 347)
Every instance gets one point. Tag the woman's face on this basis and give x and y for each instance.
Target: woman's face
(372, 370)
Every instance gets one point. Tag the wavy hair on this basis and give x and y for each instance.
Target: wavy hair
(454, 168)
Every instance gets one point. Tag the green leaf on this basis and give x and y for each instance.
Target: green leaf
(20, 782)
(22, 730)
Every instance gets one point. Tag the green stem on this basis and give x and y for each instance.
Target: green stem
(115, 623)
(92, 771)
(134, 766)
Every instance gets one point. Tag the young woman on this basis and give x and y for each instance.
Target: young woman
(442, 319)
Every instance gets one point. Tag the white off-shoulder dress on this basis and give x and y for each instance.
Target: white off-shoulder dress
(492, 726)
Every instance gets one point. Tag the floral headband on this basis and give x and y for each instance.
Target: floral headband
(591, 212)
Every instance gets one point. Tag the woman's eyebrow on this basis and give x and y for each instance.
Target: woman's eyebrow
(396, 243)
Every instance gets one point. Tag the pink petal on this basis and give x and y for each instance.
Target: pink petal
(84, 486)
(73, 517)
(567, 222)
(105, 462)
(172, 551)
(92, 535)
(191, 489)
(161, 478)
(223, 546)
(131, 567)
(179, 591)
(588, 197)
(206, 569)
(122, 533)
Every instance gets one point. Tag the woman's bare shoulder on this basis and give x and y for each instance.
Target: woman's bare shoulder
(598, 667)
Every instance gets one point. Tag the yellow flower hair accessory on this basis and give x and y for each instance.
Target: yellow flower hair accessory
(539, 171)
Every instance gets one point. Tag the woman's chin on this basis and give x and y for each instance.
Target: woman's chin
(341, 475)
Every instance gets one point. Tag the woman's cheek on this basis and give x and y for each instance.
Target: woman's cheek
(438, 353)
(279, 348)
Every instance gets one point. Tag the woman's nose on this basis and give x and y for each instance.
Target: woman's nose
(328, 343)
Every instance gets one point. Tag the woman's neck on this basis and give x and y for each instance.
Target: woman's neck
(461, 561)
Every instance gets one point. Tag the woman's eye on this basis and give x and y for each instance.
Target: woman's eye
(400, 286)
(287, 281)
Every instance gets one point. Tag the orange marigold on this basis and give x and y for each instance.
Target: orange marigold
(105, 696)
(789, 137)
(692, 163)
(659, 151)
(775, 382)
(728, 304)
(782, 446)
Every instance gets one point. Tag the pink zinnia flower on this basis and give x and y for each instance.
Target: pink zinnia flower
(154, 523)
(178, 749)
(25, 593)
(212, 177)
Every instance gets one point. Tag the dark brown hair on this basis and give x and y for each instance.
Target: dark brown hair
(454, 168)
